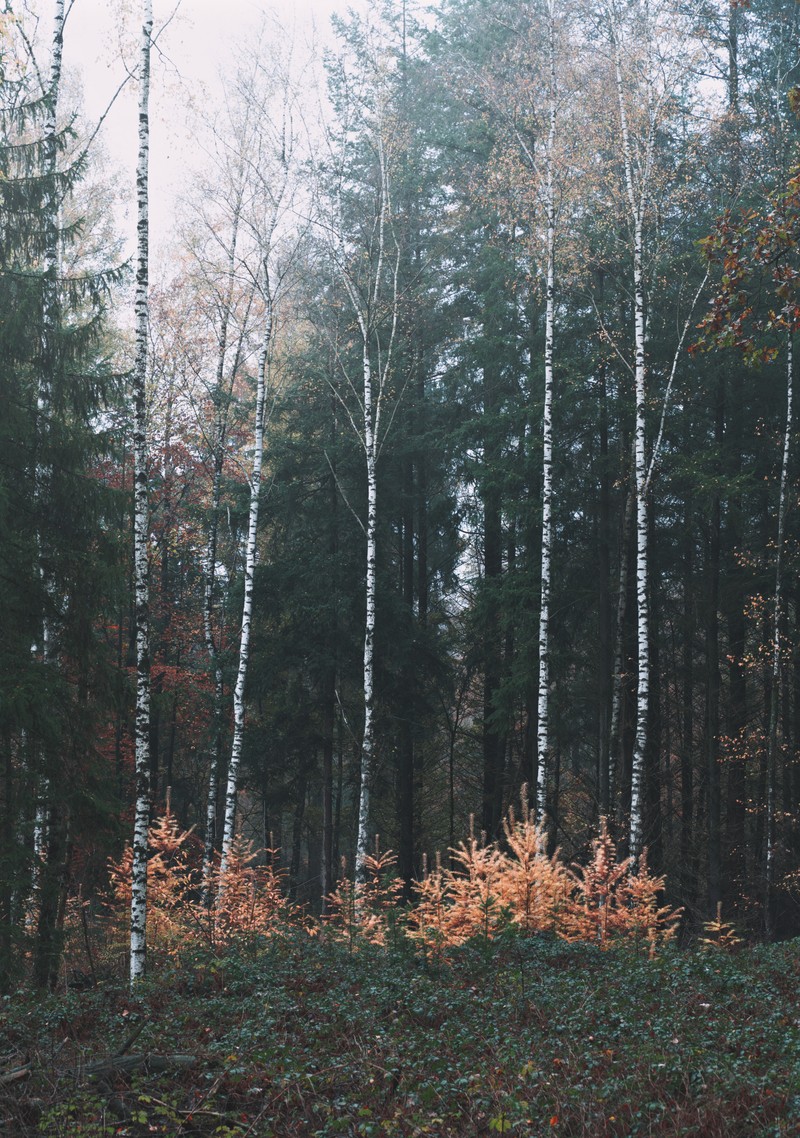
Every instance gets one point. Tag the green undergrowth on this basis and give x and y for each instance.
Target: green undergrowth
(523, 1037)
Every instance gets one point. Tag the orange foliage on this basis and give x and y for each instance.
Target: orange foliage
(487, 889)
(616, 899)
(249, 902)
(490, 888)
(169, 884)
(534, 887)
(522, 886)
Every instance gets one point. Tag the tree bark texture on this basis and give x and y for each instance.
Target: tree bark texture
(138, 942)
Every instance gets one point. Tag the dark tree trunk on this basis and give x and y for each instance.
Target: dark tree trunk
(735, 602)
(407, 713)
(713, 791)
(687, 855)
(493, 736)
(52, 890)
(297, 833)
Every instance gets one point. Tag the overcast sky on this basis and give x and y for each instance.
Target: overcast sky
(194, 49)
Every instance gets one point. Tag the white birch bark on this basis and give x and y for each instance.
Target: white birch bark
(138, 941)
(615, 743)
(373, 309)
(210, 561)
(636, 196)
(373, 392)
(655, 73)
(543, 744)
(265, 164)
(231, 792)
(371, 418)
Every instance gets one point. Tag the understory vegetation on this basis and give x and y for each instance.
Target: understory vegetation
(514, 994)
(301, 1036)
(486, 890)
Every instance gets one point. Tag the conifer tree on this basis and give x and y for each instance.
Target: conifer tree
(53, 552)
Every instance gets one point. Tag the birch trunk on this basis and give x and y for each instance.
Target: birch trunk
(264, 163)
(636, 196)
(214, 664)
(367, 747)
(212, 645)
(138, 946)
(543, 745)
(374, 381)
(231, 792)
(616, 757)
(643, 622)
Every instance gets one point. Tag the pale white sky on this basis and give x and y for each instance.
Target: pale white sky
(101, 40)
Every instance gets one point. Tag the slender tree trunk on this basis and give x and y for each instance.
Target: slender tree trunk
(297, 834)
(543, 717)
(368, 741)
(713, 803)
(653, 820)
(643, 623)
(423, 583)
(210, 563)
(619, 679)
(407, 734)
(606, 650)
(493, 737)
(636, 201)
(138, 953)
(736, 807)
(327, 868)
(328, 687)
(373, 392)
(53, 884)
(688, 883)
(231, 793)
(735, 592)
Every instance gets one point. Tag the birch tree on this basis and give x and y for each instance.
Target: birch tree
(225, 377)
(138, 939)
(227, 294)
(533, 80)
(647, 64)
(637, 191)
(365, 254)
(270, 159)
(543, 743)
(531, 102)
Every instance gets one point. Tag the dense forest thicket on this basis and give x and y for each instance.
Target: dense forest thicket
(469, 459)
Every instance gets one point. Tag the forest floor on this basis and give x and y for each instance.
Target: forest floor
(302, 1037)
